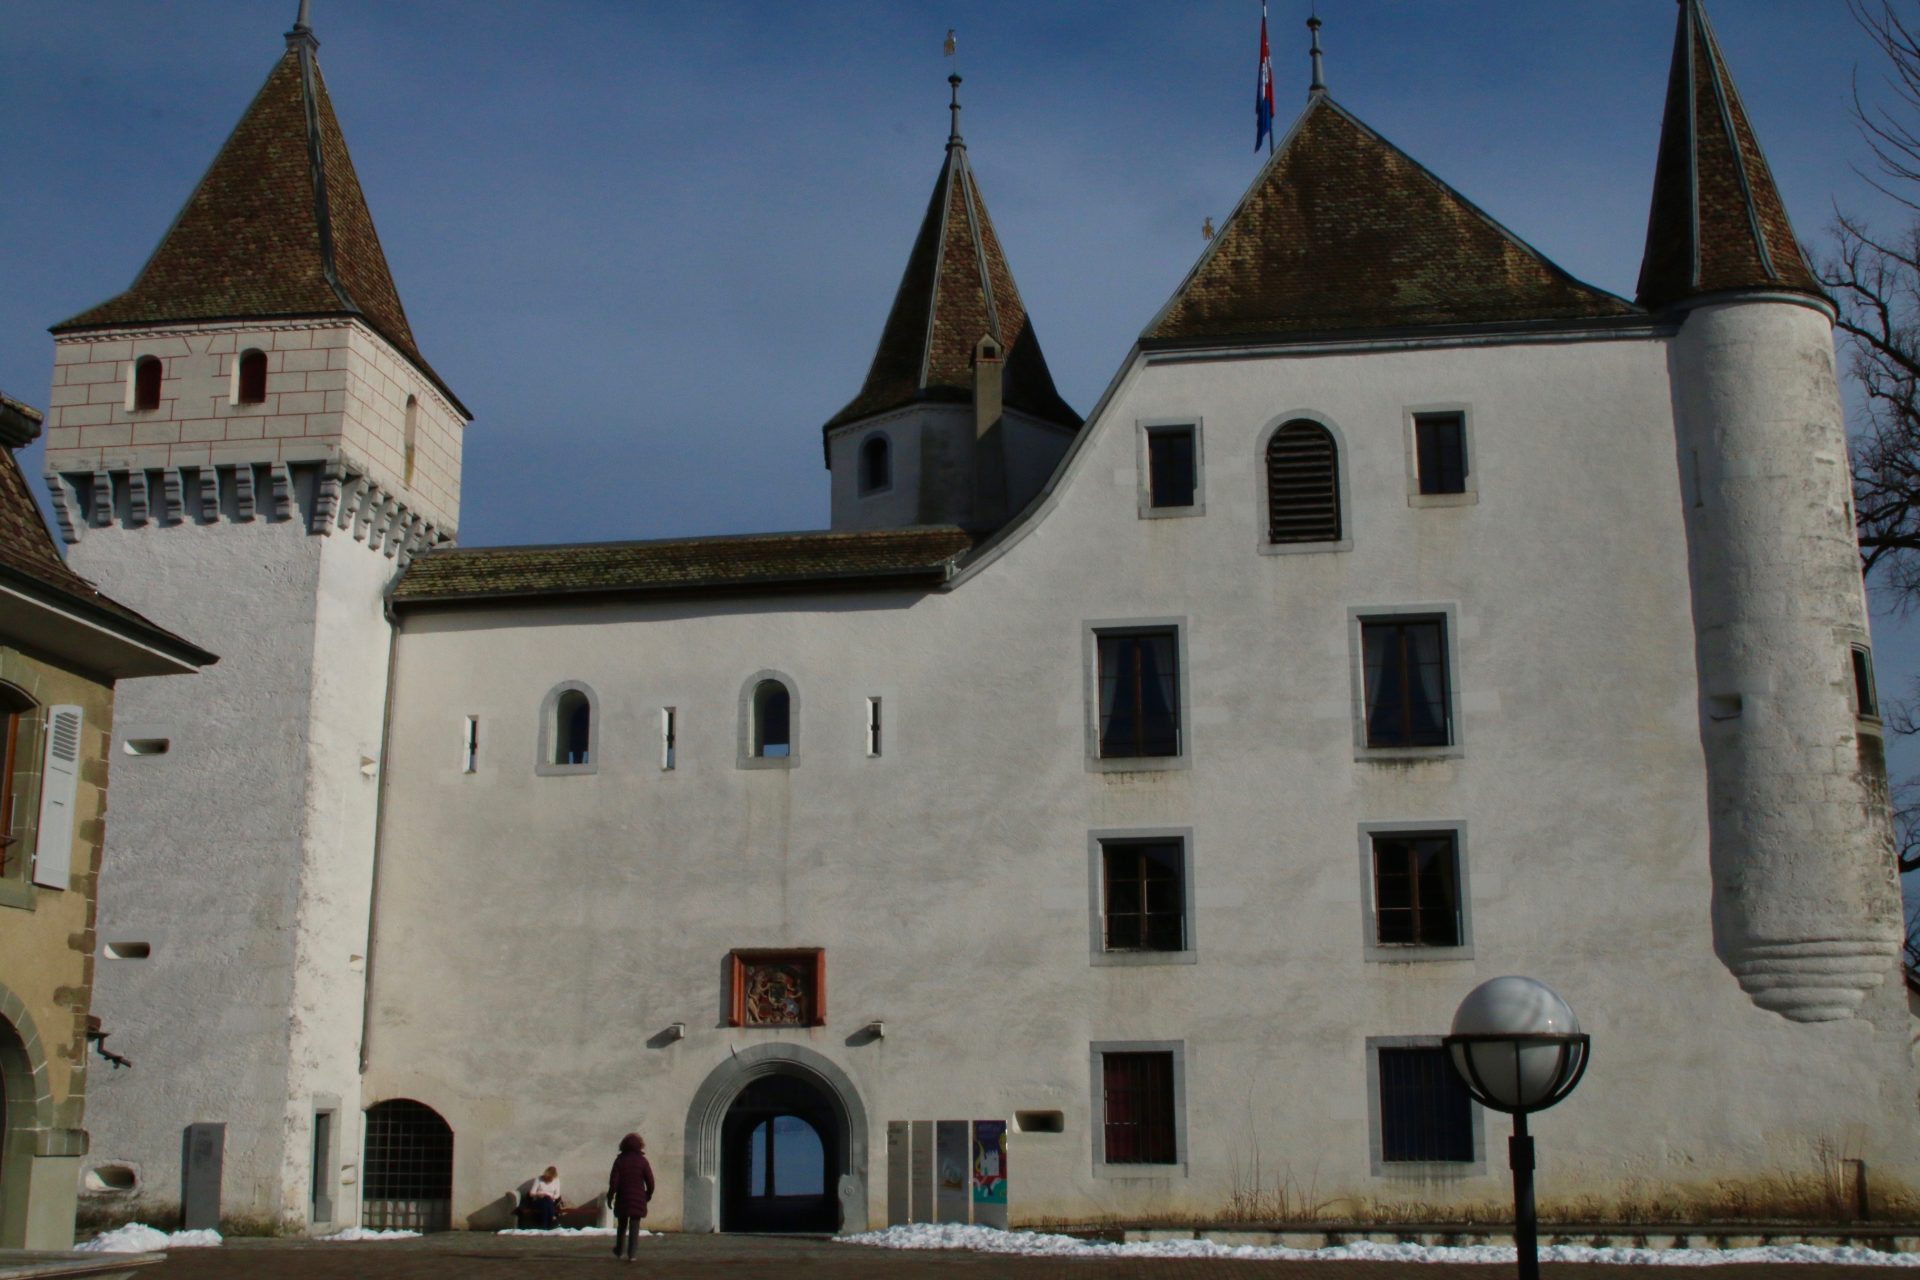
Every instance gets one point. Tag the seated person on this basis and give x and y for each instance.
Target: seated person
(544, 1200)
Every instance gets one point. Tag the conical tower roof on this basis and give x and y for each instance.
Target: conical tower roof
(278, 227)
(1344, 232)
(957, 289)
(1718, 222)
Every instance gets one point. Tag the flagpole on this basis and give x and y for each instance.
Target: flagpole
(1263, 27)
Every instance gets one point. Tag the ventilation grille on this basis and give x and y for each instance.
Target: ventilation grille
(1303, 485)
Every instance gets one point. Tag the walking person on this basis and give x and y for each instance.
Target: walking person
(629, 1187)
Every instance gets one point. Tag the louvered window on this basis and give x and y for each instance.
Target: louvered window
(1303, 484)
(59, 785)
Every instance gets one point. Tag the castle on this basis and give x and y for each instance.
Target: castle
(1101, 810)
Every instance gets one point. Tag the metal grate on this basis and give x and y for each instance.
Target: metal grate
(1139, 1108)
(409, 1168)
(1303, 485)
(1426, 1114)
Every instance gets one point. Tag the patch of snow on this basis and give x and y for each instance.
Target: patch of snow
(137, 1237)
(562, 1231)
(362, 1233)
(1033, 1243)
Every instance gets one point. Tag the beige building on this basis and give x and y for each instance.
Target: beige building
(62, 647)
(1102, 819)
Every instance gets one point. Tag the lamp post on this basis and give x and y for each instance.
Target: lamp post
(1519, 1049)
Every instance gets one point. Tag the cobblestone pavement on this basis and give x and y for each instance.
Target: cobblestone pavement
(461, 1256)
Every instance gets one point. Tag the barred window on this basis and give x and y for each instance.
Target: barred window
(1137, 1096)
(1303, 484)
(1426, 1114)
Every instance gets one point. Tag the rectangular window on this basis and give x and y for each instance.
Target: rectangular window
(1172, 467)
(1440, 450)
(1404, 666)
(1866, 700)
(1139, 692)
(1426, 1114)
(669, 738)
(470, 755)
(1143, 889)
(1416, 889)
(1138, 1108)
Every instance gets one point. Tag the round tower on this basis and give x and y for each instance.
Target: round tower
(1805, 903)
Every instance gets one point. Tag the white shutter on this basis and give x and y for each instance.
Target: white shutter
(59, 780)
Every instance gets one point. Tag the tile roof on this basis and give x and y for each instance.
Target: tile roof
(277, 228)
(1343, 231)
(1717, 221)
(957, 289)
(740, 562)
(27, 552)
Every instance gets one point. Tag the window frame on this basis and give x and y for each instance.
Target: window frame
(1091, 632)
(1097, 842)
(1097, 1108)
(1470, 494)
(1859, 663)
(860, 486)
(1357, 618)
(1262, 511)
(1380, 1166)
(1145, 430)
(744, 757)
(22, 728)
(1375, 951)
(549, 729)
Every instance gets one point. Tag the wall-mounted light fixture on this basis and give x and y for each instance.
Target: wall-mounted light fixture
(877, 1030)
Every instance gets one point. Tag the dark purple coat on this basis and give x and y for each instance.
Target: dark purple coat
(630, 1185)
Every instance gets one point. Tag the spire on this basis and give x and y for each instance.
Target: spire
(1343, 232)
(1319, 84)
(1717, 222)
(956, 290)
(278, 227)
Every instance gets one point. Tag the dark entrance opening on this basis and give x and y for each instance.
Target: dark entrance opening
(409, 1168)
(779, 1152)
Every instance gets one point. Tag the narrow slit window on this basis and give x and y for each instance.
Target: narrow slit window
(1440, 448)
(411, 431)
(1172, 467)
(873, 727)
(1866, 700)
(148, 746)
(470, 745)
(876, 465)
(146, 383)
(252, 387)
(669, 738)
(129, 950)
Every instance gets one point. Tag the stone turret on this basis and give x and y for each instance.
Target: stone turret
(1805, 907)
(248, 444)
(958, 421)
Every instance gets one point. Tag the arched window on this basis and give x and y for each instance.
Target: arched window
(772, 720)
(406, 445)
(146, 383)
(253, 377)
(876, 464)
(1303, 484)
(566, 730)
(409, 1168)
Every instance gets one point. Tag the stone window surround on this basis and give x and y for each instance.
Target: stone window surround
(1376, 1142)
(1096, 895)
(1097, 1108)
(1144, 429)
(543, 763)
(1450, 614)
(1468, 497)
(1090, 633)
(1343, 487)
(744, 757)
(1371, 948)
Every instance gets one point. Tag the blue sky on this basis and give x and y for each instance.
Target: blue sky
(652, 245)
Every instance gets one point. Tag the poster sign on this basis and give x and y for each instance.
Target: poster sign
(990, 1172)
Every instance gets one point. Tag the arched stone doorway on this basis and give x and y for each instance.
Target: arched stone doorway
(409, 1168)
(24, 1108)
(771, 1109)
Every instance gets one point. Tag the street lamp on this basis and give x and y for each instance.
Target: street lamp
(1519, 1049)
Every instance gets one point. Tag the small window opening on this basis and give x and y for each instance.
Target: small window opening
(412, 430)
(470, 745)
(873, 727)
(110, 1178)
(321, 1176)
(1440, 447)
(669, 738)
(146, 383)
(573, 720)
(128, 950)
(1172, 475)
(1039, 1122)
(253, 377)
(148, 746)
(876, 464)
(1416, 889)
(1866, 700)
(772, 720)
